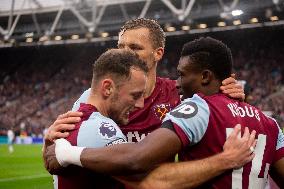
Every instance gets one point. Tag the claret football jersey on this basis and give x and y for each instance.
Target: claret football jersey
(94, 130)
(143, 121)
(204, 122)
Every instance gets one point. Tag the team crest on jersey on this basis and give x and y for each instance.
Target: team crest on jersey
(185, 110)
(160, 110)
(106, 130)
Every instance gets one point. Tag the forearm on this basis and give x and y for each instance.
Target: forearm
(135, 157)
(110, 160)
(122, 159)
(55, 170)
(186, 174)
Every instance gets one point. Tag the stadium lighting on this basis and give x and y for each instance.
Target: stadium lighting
(29, 40)
(43, 38)
(31, 34)
(237, 22)
(202, 26)
(253, 20)
(75, 37)
(185, 28)
(237, 12)
(170, 29)
(104, 34)
(274, 18)
(221, 24)
(57, 38)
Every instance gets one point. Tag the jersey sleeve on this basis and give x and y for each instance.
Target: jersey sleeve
(99, 132)
(279, 146)
(82, 99)
(190, 120)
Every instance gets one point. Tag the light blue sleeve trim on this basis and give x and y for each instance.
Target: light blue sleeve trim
(99, 131)
(192, 116)
(280, 138)
(82, 99)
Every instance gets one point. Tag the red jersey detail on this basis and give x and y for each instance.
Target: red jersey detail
(143, 121)
(223, 118)
(78, 177)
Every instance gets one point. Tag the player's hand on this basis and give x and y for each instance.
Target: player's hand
(231, 87)
(239, 150)
(51, 163)
(61, 126)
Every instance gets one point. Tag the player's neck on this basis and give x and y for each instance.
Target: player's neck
(96, 101)
(212, 88)
(151, 83)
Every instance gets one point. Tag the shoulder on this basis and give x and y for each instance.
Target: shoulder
(99, 131)
(191, 117)
(82, 99)
(166, 87)
(166, 82)
(98, 120)
(191, 107)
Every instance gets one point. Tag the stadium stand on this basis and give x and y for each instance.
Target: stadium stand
(39, 83)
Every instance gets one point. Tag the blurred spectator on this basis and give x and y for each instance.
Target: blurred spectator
(39, 83)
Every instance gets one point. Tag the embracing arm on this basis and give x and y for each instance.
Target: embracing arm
(157, 147)
(232, 88)
(129, 158)
(193, 173)
(59, 129)
(175, 175)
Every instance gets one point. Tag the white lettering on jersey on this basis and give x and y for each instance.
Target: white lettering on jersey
(255, 181)
(185, 109)
(238, 111)
(136, 135)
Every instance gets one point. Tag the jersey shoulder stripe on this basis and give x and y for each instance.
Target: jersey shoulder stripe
(99, 131)
(192, 117)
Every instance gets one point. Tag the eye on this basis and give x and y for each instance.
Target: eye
(135, 47)
(136, 96)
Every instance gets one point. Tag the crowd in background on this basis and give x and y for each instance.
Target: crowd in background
(39, 83)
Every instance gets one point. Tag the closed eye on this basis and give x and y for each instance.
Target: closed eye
(137, 95)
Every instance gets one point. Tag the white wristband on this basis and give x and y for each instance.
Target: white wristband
(67, 154)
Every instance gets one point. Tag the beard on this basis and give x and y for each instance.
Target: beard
(116, 113)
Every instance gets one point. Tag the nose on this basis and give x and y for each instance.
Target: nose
(139, 103)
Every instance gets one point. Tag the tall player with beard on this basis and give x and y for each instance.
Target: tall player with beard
(198, 127)
(118, 85)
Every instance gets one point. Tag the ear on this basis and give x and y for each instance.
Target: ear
(207, 77)
(107, 87)
(158, 54)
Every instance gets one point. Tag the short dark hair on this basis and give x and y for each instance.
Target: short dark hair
(117, 63)
(210, 54)
(157, 34)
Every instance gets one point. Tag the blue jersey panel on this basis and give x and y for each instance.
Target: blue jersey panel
(192, 116)
(280, 140)
(99, 131)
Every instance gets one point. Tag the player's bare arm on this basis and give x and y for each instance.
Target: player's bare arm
(145, 155)
(193, 173)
